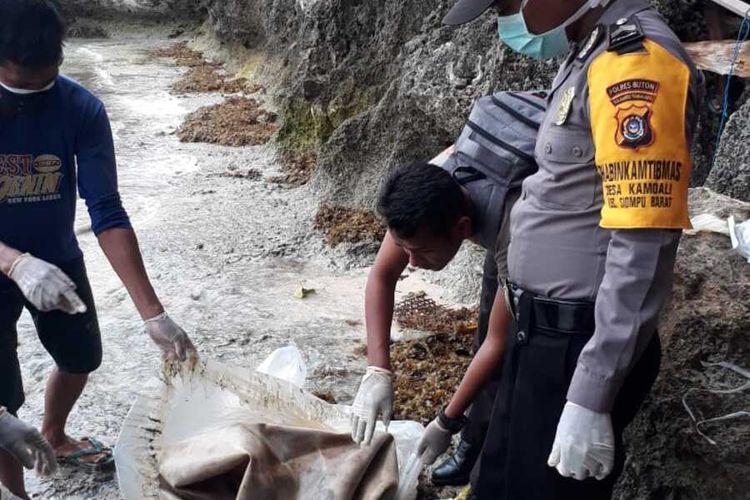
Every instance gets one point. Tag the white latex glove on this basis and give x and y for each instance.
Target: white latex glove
(45, 285)
(374, 399)
(584, 444)
(171, 339)
(435, 441)
(26, 444)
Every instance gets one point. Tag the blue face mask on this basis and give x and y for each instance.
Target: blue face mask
(514, 33)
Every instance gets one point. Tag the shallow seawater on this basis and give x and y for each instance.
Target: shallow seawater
(225, 255)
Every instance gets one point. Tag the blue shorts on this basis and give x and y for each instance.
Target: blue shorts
(73, 340)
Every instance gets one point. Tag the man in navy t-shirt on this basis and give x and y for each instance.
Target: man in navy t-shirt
(55, 143)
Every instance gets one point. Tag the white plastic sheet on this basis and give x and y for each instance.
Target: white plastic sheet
(708, 222)
(409, 477)
(740, 235)
(285, 363)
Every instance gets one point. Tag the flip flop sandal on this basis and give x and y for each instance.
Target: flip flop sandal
(105, 462)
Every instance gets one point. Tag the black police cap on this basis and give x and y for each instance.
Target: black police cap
(466, 10)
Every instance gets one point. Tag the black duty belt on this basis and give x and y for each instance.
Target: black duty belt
(533, 311)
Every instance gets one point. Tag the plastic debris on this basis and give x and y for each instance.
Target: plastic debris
(464, 494)
(731, 416)
(708, 222)
(409, 477)
(285, 363)
(740, 235)
(302, 293)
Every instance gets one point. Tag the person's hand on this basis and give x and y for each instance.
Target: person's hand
(584, 445)
(45, 285)
(435, 441)
(171, 339)
(374, 399)
(26, 444)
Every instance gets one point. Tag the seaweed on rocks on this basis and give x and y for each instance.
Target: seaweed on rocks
(352, 225)
(297, 169)
(181, 54)
(238, 121)
(202, 76)
(428, 370)
(201, 79)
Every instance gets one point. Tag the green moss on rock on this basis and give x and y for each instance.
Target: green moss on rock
(342, 109)
(305, 126)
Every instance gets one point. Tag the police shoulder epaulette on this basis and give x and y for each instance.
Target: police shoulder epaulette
(625, 36)
(591, 43)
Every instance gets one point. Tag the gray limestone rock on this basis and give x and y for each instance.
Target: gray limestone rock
(730, 174)
(169, 9)
(436, 75)
(707, 320)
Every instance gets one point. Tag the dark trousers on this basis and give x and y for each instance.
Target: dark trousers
(537, 371)
(481, 408)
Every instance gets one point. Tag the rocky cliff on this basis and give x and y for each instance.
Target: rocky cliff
(707, 320)
(731, 170)
(369, 84)
(161, 9)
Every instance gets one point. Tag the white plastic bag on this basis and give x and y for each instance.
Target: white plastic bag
(407, 435)
(287, 364)
(740, 234)
(708, 222)
(409, 478)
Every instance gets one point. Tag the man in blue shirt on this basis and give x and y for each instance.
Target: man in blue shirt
(55, 143)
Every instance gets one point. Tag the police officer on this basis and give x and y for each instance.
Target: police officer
(593, 243)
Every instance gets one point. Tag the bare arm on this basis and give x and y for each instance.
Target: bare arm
(8, 255)
(379, 298)
(121, 248)
(486, 360)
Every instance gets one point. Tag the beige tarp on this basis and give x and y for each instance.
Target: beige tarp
(237, 432)
(272, 462)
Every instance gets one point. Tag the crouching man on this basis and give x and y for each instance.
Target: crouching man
(429, 210)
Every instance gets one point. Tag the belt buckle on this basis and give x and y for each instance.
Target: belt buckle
(512, 299)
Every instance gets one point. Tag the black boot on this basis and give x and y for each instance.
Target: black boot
(455, 471)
